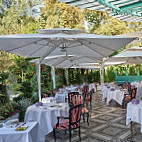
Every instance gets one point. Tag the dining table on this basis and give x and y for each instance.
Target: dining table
(116, 95)
(46, 115)
(9, 134)
(134, 114)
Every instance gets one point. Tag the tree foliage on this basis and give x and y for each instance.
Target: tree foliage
(55, 14)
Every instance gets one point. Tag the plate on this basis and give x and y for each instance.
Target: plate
(54, 106)
(21, 128)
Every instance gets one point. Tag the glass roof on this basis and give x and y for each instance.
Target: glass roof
(126, 10)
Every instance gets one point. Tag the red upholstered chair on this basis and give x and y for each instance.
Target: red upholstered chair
(78, 99)
(69, 123)
(128, 97)
(87, 95)
(54, 91)
(70, 97)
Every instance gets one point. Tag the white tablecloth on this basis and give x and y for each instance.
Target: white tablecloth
(116, 95)
(46, 115)
(139, 92)
(92, 86)
(134, 113)
(29, 135)
(104, 92)
(47, 99)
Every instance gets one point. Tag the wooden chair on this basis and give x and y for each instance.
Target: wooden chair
(69, 123)
(128, 97)
(87, 95)
(54, 91)
(78, 99)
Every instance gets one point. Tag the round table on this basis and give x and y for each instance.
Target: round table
(46, 115)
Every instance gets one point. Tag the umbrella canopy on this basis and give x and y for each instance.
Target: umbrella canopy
(66, 61)
(53, 42)
(129, 56)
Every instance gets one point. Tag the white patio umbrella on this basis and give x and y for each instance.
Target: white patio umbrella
(51, 42)
(129, 56)
(66, 61)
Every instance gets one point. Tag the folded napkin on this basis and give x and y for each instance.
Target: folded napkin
(112, 89)
(39, 104)
(135, 101)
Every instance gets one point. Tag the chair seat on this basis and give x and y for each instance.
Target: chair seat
(127, 98)
(64, 125)
(87, 99)
(84, 110)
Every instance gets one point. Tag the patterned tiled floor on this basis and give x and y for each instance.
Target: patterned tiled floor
(107, 124)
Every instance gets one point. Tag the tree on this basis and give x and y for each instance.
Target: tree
(55, 14)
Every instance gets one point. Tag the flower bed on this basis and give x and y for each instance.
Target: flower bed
(12, 108)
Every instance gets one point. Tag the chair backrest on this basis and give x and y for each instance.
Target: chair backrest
(133, 92)
(54, 91)
(77, 99)
(85, 89)
(74, 115)
(70, 96)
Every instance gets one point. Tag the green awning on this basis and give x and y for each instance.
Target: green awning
(126, 10)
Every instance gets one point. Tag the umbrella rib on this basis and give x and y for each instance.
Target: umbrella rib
(47, 53)
(93, 58)
(23, 46)
(35, 51)
(91, 48)
(101, 45)
(59, 62)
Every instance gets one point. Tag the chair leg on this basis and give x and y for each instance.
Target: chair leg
(79, 134)
(83, 118)
(54, 134)
(88, 118)
(70, 135)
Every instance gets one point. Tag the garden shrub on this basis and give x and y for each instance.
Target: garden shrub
(11, 108)
(26, 89)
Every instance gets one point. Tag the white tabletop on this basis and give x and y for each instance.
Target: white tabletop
(47, 99)
(29, 135)
(46, 115)
(134, 113)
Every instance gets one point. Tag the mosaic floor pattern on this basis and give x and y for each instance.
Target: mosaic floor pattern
(107, 124)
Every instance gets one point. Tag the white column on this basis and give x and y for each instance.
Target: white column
(67, 79)
(53, 77)
(39, 81)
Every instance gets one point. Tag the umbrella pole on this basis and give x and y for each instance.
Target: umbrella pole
(39, 81)
(102, 75)
(53, 77)
(67, 79)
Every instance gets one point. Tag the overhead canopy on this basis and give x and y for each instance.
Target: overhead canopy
(69, 61)
(129, 56)
(53, 42)
(126, 10)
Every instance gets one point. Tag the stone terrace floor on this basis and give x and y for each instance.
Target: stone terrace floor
(107, 124)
